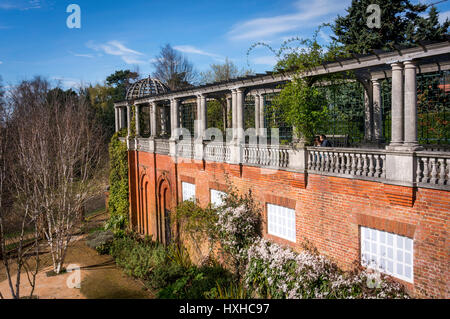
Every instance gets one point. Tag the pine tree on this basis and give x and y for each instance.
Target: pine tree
(402, 24)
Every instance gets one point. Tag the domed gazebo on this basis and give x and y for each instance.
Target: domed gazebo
(146, 87)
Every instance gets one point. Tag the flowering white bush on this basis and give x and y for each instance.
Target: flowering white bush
(237, 229)
(276, 272)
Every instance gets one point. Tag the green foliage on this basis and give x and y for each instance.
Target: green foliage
(167, 269)
(118, 180)
(100, 241)
(234, 290)
(119, 82)
(238, 226)
(101, 99)
(304, 107)
(301, 103)
(277, 272)
(402, 23)
(197, 222)
(196, 283)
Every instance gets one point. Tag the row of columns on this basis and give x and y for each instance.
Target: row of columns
(404, 111)
(236, 103)
(404, 106)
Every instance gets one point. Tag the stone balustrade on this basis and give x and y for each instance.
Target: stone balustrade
(433, 169)
(185, 149)
(266, 155)
(217, 152)
(361, 163)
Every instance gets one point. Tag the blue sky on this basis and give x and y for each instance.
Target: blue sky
(114, 35)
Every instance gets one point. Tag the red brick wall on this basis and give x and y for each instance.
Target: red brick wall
(329, 210)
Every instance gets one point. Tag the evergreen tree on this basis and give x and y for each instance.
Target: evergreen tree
(402, 23)
(121, 80)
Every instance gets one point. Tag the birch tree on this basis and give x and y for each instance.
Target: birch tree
(59, 148)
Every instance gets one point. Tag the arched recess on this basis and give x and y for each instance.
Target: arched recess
(164, 209)
(145, 211)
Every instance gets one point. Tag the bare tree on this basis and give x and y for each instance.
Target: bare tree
(15, 218)
(58, 151)
(223, 72)
(174, 69)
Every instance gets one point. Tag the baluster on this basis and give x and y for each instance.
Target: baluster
(434, 172)
(419, 170)
(441, 171)
(338, 162)
(377, 165)
(311, 160)
(353, 159)
(321, 159)
(448, 170)
(332, 162)
(358, 166)
(426, 170)
(372, 165)
(364, 165)
(325, 161)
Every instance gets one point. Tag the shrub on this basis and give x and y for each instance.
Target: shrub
(118, 191)
(277, 272)
(232, 290)
(196, 283)
(138, 258)
(238, 226)
(100, 241)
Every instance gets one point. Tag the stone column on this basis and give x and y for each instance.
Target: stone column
(377, 111)
(261, 115)
(240, 114)
(201, 116)
(234, 114)
(204, 118)
(229, 107)
(257, 104)
(116, 118)
(174, 118)
(129, 119)
(153, 119)
(397, 110)
(138, 125)
(163, 119)
(410, 106)
(368, 114)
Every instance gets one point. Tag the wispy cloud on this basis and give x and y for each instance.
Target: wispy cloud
(21, 4)
(306, 13)
(265, 60)
(443, 16)
(193, 50)
(1, 62)
(67, 83)
(90, 56)
(117, 48)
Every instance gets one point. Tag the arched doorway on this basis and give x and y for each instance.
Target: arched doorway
(164, 212)
(144, 207)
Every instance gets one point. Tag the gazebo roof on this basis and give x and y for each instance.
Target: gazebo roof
(146, 87)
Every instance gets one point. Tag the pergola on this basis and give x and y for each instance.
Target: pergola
(403, 161)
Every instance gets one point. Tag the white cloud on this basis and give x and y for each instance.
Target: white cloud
(1, 62)
(443, 16)
(265, 60)
(90, 56)
(306, 13)
(21, 4)
(117, 48)
(67, 83)
(193, 50)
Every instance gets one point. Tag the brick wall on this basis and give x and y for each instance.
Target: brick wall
(329, 210)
